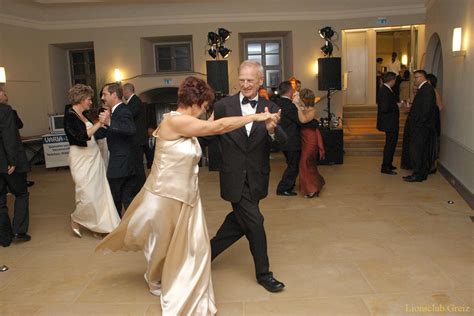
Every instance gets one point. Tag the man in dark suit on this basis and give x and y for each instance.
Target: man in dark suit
(244, 171)
(388, 120)
(140, 141)
(422, 123)
(120, 131)
(292, 149)
(13, 169)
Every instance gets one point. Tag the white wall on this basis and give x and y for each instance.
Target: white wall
(457, 143)
(25, 54)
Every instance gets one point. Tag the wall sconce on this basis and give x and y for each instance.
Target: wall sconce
(457, 42)
(117, 75)
(3, 76)
(405, 59)
(316, 68)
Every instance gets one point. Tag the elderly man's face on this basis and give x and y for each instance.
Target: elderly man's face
(249, 81)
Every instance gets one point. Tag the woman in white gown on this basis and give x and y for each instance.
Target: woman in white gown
(95, 208)
(166, 219)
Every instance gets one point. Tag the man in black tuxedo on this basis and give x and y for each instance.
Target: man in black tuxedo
(13, 168)
(422, 123)
(292, 149)
(388, 120)
(244, 171)
(140, 141)
(119, 129)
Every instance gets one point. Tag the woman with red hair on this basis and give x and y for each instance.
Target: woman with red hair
(166, 219)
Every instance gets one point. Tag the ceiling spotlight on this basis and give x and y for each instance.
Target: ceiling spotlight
(326, 32)
(224, 34)
(212, 38)
(327, 49)
(224, 51)
(212, 52)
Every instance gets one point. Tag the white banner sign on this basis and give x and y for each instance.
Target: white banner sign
(56, 150)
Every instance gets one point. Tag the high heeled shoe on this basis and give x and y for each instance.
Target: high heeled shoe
(312, 195)
(76, 228)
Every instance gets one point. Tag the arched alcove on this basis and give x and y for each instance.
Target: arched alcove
(434, 59)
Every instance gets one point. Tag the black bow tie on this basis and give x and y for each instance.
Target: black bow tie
(246, 100)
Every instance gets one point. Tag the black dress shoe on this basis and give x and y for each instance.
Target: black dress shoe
(388, 171)
(30, 183)
(22, 237)
(271, 284)
(393, 167)
(413, 179)
(287, 193)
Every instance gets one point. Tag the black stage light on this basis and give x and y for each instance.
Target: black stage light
(212, 52)
(212, 38)
(326, 32)
(327, 49)
(224, 51)
(224, 34)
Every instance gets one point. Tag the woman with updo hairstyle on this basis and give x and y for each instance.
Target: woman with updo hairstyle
(312, 146)
(166, 219)
(95, 208)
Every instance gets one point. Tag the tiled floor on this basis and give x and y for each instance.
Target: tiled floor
(370, 245)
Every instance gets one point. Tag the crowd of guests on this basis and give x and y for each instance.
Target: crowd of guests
(421, 136)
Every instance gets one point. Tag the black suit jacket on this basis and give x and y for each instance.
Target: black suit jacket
(12, 152)
(120, 135)
(138, 110)
(388, 114)
(245, 156)
(290, 124)
(422, 113)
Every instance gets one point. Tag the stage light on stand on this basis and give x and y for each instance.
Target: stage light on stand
(326, 33)
(224, 51)
(223, 34)
(327, 49)
(212, 52)
(212, 38)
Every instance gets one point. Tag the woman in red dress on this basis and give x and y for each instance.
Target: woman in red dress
(312, 146)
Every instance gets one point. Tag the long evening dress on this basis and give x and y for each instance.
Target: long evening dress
(166, 221)
(312, 144)
(95, 208)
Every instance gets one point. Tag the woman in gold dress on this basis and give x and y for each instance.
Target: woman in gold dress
(166, 218)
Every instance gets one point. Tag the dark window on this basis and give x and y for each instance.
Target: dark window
(82, 67)
(173, 57)
(268, 53)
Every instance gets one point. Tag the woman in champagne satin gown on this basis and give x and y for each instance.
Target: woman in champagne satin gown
(95, 208)
(166, 219)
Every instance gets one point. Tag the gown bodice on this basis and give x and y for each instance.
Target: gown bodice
(175, 169)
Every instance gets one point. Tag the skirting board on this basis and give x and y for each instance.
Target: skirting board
(458, 186)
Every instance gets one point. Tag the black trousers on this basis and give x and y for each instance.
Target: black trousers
(149, 155)
(139, 177)
(419, 151)
(391, 139)
(245, 219)
(122, 192)
(16, 183)
(288, 180)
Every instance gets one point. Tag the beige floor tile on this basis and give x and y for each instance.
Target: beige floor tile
(92, 310)
(308, 307)
(13, 309)
(125, 285)
(438, 303)
(46, 285)
(404, 274)
(459, 269)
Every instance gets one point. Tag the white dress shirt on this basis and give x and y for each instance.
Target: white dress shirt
(247, 109)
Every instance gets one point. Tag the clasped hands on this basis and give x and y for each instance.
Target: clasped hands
(104, 117)
(272, 121)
